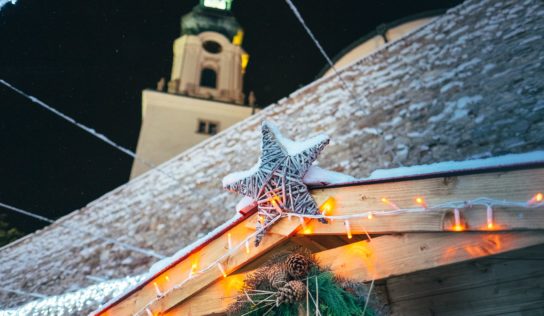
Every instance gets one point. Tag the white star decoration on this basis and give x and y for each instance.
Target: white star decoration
(276, 181)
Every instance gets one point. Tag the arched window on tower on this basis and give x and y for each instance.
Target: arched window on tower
(208, 78)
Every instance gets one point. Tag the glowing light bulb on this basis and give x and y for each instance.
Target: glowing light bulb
(489, 215)
(193, 269)
(421, 201)
(393, 205)
(327, 206)
(348, 229)
(457, 217)
(537, 198)
(220, 267)
(157, 289)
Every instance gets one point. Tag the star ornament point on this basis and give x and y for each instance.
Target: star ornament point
(276, 181)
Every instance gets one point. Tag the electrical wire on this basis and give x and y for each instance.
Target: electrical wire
(146, 252)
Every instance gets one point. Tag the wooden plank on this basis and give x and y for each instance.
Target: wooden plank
(519, 185)
(516, 185)
(396, 255)
(201, 259)
(500, 284)
(231, 264)
(473, 219)
(482, 272)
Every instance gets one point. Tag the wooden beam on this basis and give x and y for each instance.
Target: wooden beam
(386, 256)
(230, 264)
(517, 185)
(473, 219)
(201, 259)
(380, 258)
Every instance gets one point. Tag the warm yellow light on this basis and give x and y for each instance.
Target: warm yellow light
(370, 216)
(157, 289)
(490, 226)
(386, 201)
(247, 247)
(421, 201)
(348, 229)
(307, 231)
(244, 60)
(167, 279)
(220, 267)
(458, 228)
(193, 269)
(537, 198)
(327, 206)
(238, 38)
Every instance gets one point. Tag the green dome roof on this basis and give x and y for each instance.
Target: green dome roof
(203, 19)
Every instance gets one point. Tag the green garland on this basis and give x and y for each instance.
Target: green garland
(334, 296)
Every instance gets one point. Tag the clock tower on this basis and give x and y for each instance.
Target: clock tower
(209, 61)
(204, 94)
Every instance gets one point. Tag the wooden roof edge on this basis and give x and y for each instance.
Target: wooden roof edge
(252, 209)
(245, 213)
(430, 175)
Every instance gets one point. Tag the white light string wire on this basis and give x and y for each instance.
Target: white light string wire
(344, 84)
(147, 252)
(87, 129)
(212, 265)
(481, 201)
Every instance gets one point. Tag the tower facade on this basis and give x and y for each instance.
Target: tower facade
(209, 61)
(204, 94)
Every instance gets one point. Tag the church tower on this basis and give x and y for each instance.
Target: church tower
(209, 61)
(205, 92)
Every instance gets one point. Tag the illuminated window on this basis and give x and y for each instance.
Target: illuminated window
(207, 127)
(208, 78)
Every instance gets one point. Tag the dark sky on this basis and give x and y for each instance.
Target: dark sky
(91, 59)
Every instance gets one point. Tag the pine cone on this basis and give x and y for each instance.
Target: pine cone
(277, 275)
(298, 265)
(293, 291)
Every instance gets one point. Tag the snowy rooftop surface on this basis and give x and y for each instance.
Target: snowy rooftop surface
(469, 84)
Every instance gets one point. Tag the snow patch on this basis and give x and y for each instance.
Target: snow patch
(243, 203)
(319, 176)
(498, 161)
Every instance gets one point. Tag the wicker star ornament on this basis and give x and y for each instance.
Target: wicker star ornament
(276, 181)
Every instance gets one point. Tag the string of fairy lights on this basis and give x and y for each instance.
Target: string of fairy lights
(537, 201)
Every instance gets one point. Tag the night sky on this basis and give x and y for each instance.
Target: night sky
(91, 59)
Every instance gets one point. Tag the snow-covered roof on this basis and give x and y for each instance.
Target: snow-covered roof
(468, 85)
